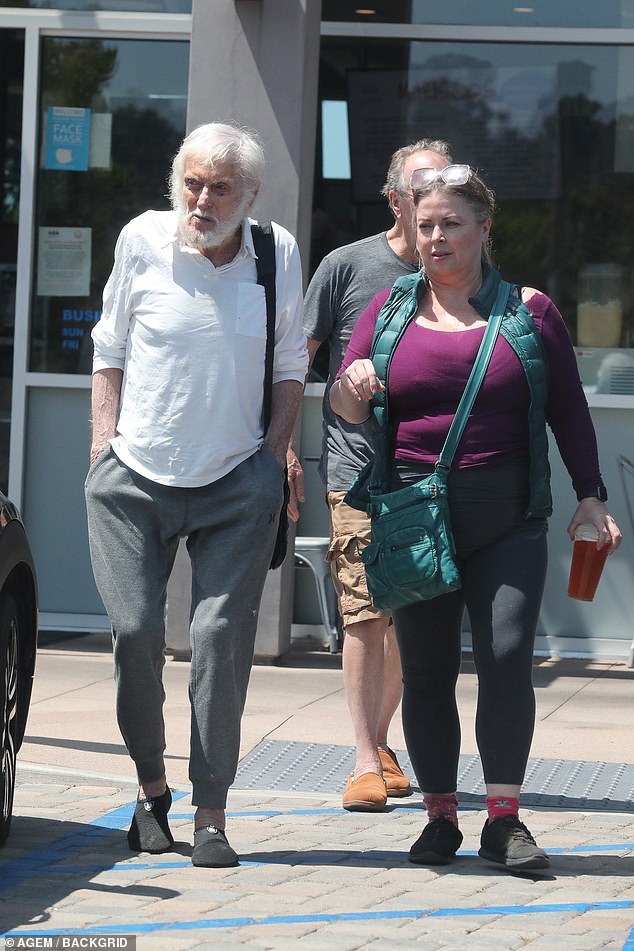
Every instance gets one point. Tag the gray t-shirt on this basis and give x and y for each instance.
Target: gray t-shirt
(341, 288)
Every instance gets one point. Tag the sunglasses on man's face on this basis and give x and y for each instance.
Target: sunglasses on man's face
(450, 175)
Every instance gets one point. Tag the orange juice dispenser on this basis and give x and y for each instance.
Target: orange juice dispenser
(599, 306)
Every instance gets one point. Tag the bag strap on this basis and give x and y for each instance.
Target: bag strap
(264, 245)
(476, 377)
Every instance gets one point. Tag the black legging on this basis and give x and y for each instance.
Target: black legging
(503, 561)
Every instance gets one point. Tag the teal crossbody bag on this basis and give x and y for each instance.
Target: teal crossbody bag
(411, 555)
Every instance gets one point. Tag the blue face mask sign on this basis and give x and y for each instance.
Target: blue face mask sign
(67, 139)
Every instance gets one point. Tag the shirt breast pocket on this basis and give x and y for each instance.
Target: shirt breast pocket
(251, 316)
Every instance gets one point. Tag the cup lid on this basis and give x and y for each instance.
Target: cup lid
(586, 533)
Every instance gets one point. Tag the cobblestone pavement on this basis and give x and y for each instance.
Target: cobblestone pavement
(309, 873)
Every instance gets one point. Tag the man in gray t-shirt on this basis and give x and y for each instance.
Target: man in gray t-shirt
(343, 285)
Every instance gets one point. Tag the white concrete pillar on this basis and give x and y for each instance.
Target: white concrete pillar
(256, 62)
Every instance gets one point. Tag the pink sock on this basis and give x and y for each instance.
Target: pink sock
(498, 806)
(442, 806)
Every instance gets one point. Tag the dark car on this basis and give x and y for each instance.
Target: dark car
(18, 642)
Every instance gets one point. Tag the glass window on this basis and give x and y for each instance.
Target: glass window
(564, 13)
(334, 134)
(118, 6)
(551, 127)
(112, 117)
(11, 71)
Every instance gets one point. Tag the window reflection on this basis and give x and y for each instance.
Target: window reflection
(113, 115)
(551, 127)
(11, 70)
(562, 13)
(117, 6)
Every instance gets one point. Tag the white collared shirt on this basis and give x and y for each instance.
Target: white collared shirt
(190, 339)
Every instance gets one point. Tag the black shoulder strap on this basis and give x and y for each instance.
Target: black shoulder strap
(264, 245)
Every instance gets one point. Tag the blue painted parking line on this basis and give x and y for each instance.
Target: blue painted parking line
(143, 928)
(53, 858)
(295, 858)
(324, 811)
(120, 818)
(262, 813)
(52, 854)
(56, 859)
(123, 867)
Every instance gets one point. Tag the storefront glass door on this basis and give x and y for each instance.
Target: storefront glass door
(549, 122)
(109, 113)
(11, 72)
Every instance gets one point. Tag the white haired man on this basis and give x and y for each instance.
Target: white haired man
(178, 451)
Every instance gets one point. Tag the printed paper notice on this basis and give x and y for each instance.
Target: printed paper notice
(63, 262)
(67, 139)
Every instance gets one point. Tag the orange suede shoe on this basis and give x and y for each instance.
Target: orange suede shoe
(365, 793)
(396, 783)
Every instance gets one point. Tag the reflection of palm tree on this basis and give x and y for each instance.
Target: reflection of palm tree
(459, 96)
(77, 70)
(447, 93)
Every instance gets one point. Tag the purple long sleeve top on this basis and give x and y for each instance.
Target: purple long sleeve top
(428, 374)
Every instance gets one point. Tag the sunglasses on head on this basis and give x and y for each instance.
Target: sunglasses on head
(450, 175)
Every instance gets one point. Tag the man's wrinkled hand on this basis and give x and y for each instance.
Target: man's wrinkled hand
(97, 450)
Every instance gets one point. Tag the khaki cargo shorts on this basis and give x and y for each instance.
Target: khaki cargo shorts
(349, 534)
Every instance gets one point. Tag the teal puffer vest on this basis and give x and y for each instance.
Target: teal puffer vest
(518, 329)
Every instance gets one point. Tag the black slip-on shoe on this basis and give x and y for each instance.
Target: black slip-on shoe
(437, 844)
(507, 841)
(150, 831)
(211, 849)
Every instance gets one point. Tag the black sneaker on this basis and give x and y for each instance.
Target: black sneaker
(211, 849)
(508, 842)
(150, 831)
(437, 844)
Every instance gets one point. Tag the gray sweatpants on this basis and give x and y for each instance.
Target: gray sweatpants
(134, 526)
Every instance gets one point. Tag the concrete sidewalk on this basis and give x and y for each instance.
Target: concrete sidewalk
(310, 871)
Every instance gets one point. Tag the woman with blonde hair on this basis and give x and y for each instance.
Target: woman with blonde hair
(499, 498)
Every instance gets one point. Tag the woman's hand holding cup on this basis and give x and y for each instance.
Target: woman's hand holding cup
(595, 535)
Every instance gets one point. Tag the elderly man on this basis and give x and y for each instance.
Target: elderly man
(178, 451)
(343, 285)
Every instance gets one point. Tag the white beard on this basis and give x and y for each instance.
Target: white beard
(216, 232)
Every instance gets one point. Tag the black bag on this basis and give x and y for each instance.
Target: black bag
(264, 245)
(411, 555)
(281, 540)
